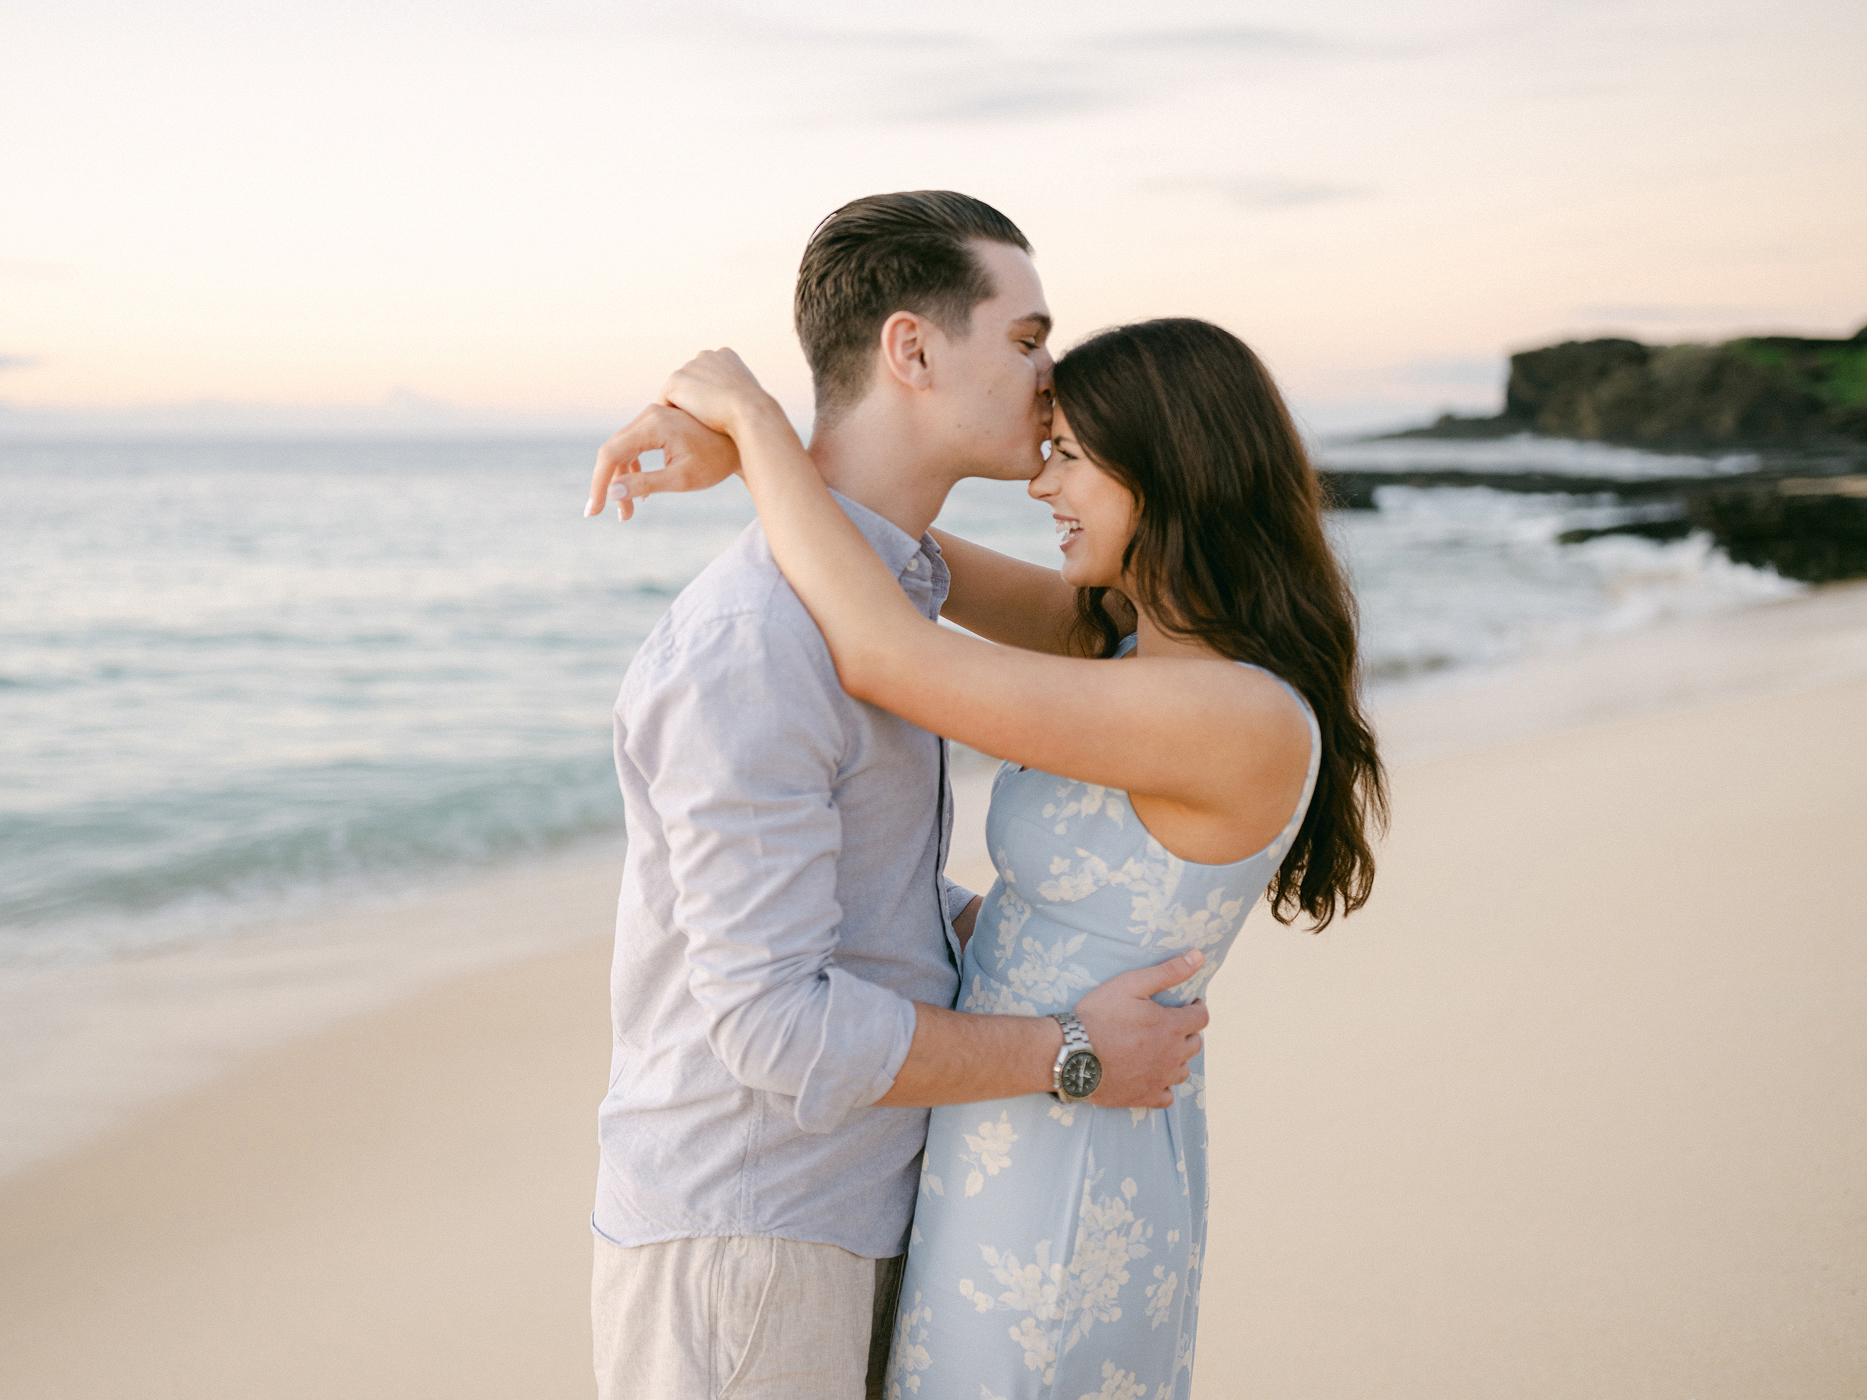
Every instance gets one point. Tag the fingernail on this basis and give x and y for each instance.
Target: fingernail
(589, 509)
(1195, 958)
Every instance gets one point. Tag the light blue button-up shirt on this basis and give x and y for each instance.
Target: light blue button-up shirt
(783, 906)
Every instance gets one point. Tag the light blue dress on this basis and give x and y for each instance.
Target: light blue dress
(1056, 1250)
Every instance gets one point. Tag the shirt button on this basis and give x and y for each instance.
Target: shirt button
(914, 564)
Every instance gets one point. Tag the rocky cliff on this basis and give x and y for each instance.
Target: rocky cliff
(1760, 391)
(1799, 405)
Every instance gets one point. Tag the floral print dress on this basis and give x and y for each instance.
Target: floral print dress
(1056, 1249)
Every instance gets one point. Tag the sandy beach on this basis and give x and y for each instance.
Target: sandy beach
(1573, 1108)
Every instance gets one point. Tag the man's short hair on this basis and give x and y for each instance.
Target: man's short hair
(879, 255)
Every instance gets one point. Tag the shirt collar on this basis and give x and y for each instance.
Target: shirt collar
(895, 545)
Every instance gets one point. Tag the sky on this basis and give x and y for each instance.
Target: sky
(488, 216)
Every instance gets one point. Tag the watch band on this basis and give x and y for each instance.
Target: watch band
(1075, 1041)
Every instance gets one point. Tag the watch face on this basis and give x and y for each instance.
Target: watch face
(1081, 1073)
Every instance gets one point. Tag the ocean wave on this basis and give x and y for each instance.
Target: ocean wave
(1538, 596)
(1526, 453)
(138, 864)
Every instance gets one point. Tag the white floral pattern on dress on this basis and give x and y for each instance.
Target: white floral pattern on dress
(1045, 976)
(1153, 879)
(1108, 1235)
(909, 1354)
(1117, 1384)
(990, 1152)
(1053, 1286)
(995, 999)
(1160, 1294)
(1012, 914)
(1035, 1289)
(1074, 800)
(1183, 1354)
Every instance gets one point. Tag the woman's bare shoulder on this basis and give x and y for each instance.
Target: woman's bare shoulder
(1254, 746)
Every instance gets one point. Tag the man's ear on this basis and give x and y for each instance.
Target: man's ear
(906, 341)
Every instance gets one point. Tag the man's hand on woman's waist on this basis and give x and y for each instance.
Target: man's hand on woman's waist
(1143, 1046)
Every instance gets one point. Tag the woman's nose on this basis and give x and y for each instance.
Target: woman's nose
(1044, 485)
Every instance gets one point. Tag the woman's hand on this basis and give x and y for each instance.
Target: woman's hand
(703, 403)
(694, 457)
(717, 389)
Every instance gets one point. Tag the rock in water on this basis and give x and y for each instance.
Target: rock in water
(1811, 528)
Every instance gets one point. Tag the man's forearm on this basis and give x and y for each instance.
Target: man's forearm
(1143, 1046)
(960, 1058)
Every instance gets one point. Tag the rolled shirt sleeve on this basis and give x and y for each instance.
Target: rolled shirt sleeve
(741, 747)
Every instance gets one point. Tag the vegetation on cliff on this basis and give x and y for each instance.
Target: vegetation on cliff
(1759, 391)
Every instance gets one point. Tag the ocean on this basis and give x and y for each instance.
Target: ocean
(240, 679)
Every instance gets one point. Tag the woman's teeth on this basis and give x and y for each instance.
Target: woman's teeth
(1067, 530)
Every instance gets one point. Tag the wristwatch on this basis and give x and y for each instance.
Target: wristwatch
(1077, 1071)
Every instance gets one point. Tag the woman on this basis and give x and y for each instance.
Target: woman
(1142, 809)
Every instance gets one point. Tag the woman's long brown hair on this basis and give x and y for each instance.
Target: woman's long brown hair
(1230, 549)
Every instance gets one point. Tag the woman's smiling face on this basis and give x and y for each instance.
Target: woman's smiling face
(1095, 513)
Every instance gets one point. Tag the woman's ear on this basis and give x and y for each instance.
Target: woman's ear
(905, 342)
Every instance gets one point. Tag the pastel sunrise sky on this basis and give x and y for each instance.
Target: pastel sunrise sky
(480, 214)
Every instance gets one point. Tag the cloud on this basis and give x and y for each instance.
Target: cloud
(18, 361)
(1668, 313)
(1264, 191)
(1235, 38)
(975, 79)
(883, 40)
(714, 26)
(978, 78)
(1274, 193)
(1024, 104)
(398, 414)
(1485, 372)
(975, 94)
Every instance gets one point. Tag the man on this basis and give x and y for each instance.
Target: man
(787, 945)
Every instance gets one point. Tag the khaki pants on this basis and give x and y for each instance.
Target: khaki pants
(738, 1317)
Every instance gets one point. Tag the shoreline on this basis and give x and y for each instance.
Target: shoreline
(1571, 1108)
(91, 1046)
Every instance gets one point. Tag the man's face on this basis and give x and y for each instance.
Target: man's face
(994, 387)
